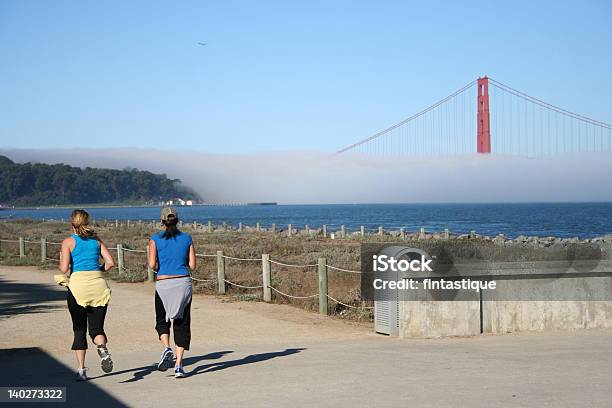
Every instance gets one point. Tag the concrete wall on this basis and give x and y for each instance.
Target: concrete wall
(524, 304)
(514, 316)
(522, 301)
(432, 318)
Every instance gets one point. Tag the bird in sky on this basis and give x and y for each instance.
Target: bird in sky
(202, 44)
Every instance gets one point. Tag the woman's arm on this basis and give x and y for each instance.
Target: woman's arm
(67, 246)
(109, 262)
(192, 257)
(152, 256)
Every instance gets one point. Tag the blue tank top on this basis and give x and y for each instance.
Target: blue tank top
(173, 253)
(85, 255)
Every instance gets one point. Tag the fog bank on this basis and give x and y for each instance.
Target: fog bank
(310, 177)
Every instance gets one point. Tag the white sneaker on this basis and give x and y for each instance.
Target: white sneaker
(106, 362)
(82, 374)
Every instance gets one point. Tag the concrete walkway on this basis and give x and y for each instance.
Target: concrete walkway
(254, 354)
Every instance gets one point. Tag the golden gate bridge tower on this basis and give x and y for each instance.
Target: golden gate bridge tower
(483, 137)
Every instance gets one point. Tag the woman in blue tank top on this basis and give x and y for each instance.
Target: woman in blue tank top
(172, 255)
(88, 292)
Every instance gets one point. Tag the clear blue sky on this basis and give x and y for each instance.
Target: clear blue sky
(279, 75)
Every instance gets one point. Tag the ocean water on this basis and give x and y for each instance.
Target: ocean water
(584, 220)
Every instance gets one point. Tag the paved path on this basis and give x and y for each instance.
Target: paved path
(251, 354)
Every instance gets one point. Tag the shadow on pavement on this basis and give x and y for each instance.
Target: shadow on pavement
(250, 359)
(33, 367)
(141, 372)
(20, 298)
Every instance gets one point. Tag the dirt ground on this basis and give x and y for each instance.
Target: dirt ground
(268, 355)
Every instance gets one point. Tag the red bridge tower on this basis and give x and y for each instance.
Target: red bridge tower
(483, 137)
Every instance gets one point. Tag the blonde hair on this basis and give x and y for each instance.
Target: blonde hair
(80, 222)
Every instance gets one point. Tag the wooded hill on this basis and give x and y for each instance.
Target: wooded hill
(34, 184)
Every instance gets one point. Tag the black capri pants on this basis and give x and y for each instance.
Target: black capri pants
(84, 318)
(181, 327)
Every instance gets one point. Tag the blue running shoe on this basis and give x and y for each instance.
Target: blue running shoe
(167, 360)
(179, 372)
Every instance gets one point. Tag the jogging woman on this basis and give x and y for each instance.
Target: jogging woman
(171, 253)
(88, 293)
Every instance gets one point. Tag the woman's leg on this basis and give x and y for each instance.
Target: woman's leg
(161, 325)
(163, 330)
(182, 334)
(79, 327)
(95, 320)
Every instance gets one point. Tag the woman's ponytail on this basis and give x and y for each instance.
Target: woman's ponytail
(80, 222)
(171, 227)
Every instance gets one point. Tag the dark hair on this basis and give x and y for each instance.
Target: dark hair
(171, 228)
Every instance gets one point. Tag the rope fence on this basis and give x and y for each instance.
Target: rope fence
(138, 251)
(202, 280)
(243, 286)
(343, 270)
(221, 281)
(292, 296)
(206, 255)
(293, 266)
(241, 259)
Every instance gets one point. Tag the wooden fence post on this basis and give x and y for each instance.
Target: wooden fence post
(266, 277)
(362, 231)
(210, 227)
(239, 227)
(116, 223)
(257, 227)
(21, 248)
(220, 273)
(322, 286)
(289, 232)
(43, 250)
(150, 272)
(343, 231)
(273, 228)
(120, 258)
(422, 233)
(446, 233)
(324, 231)
(402, 233)
(380, 230)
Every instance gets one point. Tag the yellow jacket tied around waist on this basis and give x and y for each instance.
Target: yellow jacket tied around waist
(89, 288)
